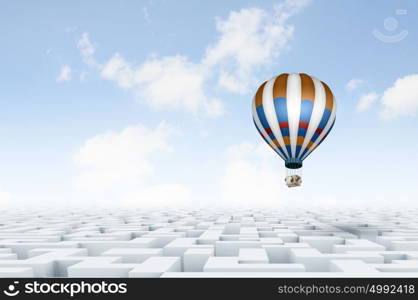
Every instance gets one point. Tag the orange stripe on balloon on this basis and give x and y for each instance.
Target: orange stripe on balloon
(307, 88)
(280, 86)
(286, 140)
(329, 97)
(259, 95)
(300, 141)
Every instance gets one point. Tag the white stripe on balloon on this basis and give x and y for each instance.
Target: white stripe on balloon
(293, 108)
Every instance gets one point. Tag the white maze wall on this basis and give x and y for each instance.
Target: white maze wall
(209, 243)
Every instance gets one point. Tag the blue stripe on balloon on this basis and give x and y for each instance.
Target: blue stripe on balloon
(282, 152)
(298, 148)
(322, 124)
(306, 108)
(326, 134)
(325, 118)
(302, 132)
(315, 136)
(285, 131)
(261, 133)
(280, 105)
(277, 151)
(289, 150)
(263, 121)
(262, 117)
(304, 152)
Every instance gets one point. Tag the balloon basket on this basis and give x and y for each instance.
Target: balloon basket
(293, 177)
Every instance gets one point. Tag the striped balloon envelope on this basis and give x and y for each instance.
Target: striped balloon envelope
(294, 114)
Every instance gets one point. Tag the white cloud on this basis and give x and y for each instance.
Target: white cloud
(87, 50)
(118, 158)
(171, 82)
(353, 84)
(401, 98)
(214, 107)
(249, 40)
(118, 168)
(65, 74)
(146, 14)
(250, 176)
(366, 101)
(119, 70)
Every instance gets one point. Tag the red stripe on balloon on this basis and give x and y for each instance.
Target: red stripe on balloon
(284, 125)
(318, 130)
(303, 125)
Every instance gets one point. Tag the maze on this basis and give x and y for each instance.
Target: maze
(209, 243)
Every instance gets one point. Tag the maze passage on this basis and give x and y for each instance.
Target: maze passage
(209, 243)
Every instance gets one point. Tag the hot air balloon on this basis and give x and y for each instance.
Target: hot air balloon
(294, 113)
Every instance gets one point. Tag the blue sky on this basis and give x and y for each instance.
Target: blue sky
(149, 102)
